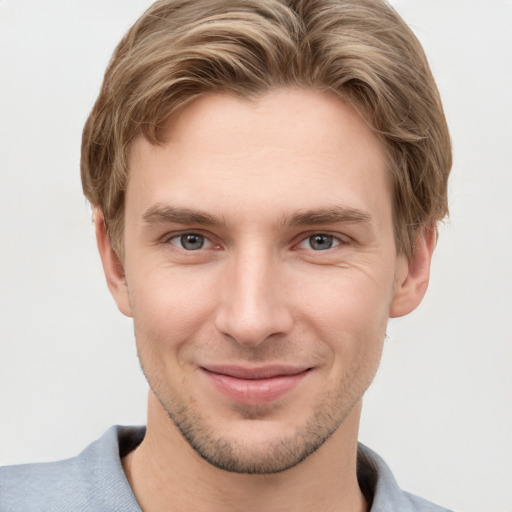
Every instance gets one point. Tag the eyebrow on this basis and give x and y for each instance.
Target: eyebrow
(161, 214)
(330, 215)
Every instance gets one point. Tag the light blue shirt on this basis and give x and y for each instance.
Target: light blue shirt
(94, 481)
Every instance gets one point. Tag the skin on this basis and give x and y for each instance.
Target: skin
(259, 235)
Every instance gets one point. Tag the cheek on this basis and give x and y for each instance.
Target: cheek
(347, 298)
(169, 308)
(349, 312)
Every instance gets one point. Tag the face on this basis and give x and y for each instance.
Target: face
(260, 270)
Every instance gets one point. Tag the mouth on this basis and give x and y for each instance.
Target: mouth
(255, 386)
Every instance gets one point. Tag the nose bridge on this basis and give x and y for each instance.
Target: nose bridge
(253, 305)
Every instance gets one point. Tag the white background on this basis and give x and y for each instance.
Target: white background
(440, 410)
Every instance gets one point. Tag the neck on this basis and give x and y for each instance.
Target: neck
(166, 474)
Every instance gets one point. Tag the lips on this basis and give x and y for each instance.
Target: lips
(254, 385)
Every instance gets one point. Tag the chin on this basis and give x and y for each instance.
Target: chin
(253, 443)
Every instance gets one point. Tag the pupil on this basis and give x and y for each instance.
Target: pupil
(321, 242)
(191, 242)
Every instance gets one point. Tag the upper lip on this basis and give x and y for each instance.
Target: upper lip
(253, 373)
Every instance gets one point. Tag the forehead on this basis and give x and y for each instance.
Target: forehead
(287, 150)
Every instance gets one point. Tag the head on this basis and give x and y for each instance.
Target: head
(267, 177)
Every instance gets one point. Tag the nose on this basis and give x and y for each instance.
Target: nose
(253, 304)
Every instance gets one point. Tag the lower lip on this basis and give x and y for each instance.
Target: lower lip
(257, 391)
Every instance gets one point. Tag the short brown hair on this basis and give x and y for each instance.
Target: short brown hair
(360, 50)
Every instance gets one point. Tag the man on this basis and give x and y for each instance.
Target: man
(266, 179)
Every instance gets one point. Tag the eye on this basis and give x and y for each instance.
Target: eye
(319, 242)
(190, 241)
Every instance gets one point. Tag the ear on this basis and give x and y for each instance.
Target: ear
(112, 266)
(413, 275)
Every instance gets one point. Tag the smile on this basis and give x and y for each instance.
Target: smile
(255, 386)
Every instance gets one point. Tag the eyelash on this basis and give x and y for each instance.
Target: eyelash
(336, 240)
(180, 236)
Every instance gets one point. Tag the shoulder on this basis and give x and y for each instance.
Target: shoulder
(94, 480)
(422, 505)
(31, 487)
(381, 489)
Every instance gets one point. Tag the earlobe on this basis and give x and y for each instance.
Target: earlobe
(112, 266)
(413, 277)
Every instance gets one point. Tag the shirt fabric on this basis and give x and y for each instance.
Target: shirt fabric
(94, 481)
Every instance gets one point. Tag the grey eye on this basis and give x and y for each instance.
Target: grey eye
(191, 241)
(321, 242)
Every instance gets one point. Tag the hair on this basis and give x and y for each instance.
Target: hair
(359, 50)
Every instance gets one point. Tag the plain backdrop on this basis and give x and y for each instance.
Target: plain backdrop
(440, 409)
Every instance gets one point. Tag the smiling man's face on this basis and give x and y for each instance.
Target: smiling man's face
(260, 269)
